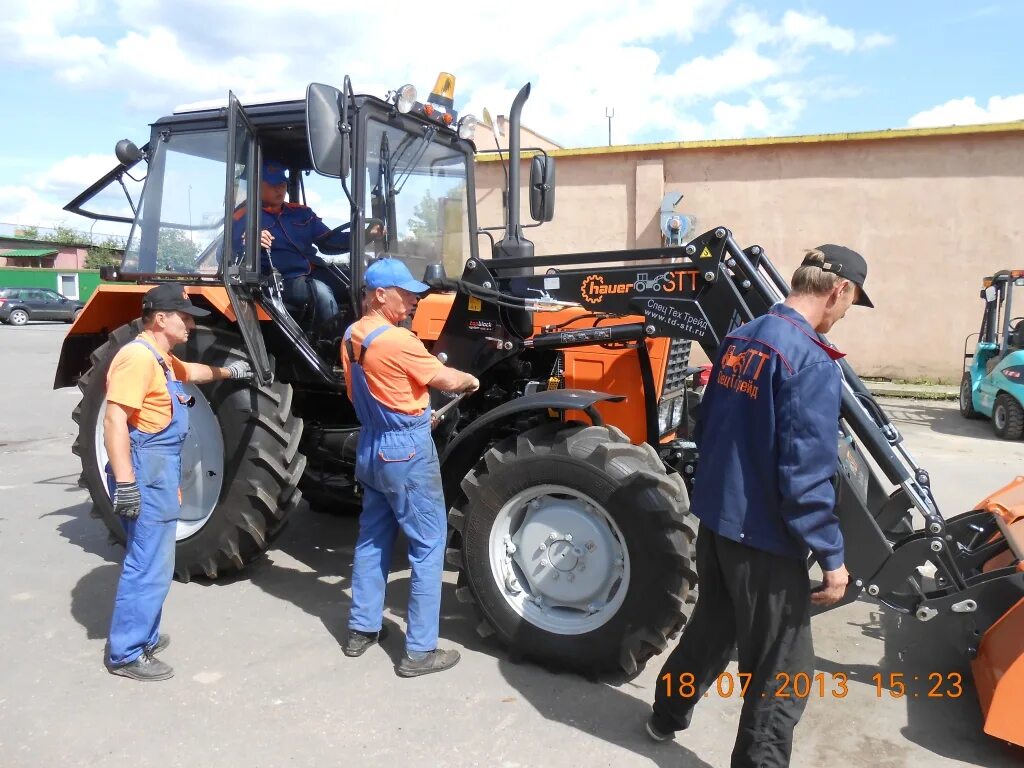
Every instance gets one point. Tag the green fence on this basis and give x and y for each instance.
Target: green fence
(60, 280)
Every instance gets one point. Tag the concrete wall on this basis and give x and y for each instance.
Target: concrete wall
(933, 212)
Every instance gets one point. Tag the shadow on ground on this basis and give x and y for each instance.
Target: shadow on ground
(939, 418)
(928, 657)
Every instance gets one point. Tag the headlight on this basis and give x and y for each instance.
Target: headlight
(405, 98)
(467, 127)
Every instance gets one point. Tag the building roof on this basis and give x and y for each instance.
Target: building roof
(28, 253)
(818, 138)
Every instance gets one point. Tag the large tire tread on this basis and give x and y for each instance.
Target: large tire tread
(263, 464)
(653, 612)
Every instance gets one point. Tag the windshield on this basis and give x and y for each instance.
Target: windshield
(180, 221)
(416, 183)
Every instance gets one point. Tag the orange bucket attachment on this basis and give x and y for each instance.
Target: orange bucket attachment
(999, 666)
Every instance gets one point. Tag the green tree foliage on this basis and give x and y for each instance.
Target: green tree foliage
(29, 233)
(175, 252)
(107, 253)
(65, 236)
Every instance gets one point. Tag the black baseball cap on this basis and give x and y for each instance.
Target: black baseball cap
(844, 262)
(170, 297)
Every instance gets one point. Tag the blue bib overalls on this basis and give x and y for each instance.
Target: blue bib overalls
(149, 549)
(396, 463)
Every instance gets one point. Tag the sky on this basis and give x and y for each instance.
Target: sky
(81, 74)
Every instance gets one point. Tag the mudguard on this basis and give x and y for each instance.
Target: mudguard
(467, 447)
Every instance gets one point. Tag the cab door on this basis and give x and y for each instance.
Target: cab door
(241, 262)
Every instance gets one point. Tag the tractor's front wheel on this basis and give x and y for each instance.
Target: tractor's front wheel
(1008, 417)
(240, 463)
(576, 547)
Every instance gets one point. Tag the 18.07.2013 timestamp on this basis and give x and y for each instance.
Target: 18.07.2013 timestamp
(934, 685)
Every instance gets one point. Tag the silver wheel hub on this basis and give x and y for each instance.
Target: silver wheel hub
(202, 463)
(560, 559)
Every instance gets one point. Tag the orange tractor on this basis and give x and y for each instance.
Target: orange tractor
(566, 474)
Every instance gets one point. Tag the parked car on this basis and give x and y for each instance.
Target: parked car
(19, 305)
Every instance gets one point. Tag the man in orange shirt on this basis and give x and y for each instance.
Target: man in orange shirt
(144, 429)
(388, 371)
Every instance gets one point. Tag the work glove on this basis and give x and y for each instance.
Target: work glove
(240, 369)
(127, 500)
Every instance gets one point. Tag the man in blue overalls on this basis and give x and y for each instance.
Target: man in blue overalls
(144, 426)
(388, 372)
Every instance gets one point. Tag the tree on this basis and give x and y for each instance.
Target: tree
(106, 254)
(65, 236)
(29, 233)
(175, 252)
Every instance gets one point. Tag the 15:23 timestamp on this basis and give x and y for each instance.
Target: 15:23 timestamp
(934, 685)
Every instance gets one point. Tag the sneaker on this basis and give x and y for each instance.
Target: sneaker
(358, 641)
(162, 642)
(435, 661)
(656, 733)
(145, 669)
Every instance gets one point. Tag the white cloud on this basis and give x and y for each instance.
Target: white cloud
(153, 56)
(967, 111)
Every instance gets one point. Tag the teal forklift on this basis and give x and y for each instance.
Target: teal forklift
(993, 382)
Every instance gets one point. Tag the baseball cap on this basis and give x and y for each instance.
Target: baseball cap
(844, 262)
(274, 173)
(170, 297)
(390, 272)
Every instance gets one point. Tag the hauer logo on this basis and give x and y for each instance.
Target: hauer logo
(594, 288)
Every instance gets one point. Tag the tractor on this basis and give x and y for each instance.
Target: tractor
(993, 381)
(567, 474)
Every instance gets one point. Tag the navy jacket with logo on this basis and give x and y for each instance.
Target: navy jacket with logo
(768, 440)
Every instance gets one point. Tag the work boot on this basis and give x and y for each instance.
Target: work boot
(435, 661)
(655, 732)
(162, 642)
(358, 641)
(145, 669)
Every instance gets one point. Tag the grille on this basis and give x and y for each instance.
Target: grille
(678, 362)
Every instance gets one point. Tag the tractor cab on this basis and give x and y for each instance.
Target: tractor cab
(402, 186)
(992, 385)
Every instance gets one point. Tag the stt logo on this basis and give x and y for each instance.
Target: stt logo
(747, 363)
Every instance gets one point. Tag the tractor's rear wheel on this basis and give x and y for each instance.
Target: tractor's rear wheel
(576, 547)
(1008, 417)
(967, 397)
(240, 465)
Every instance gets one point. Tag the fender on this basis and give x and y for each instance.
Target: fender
(464, 451)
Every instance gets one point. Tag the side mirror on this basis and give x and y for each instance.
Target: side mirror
(327, 130)
(542, 188)
(127, 153)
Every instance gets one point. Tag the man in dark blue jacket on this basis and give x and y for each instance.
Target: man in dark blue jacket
(768, 443)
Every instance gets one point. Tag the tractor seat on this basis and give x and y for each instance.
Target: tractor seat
(1016, 336)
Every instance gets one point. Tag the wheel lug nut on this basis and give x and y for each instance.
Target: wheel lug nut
(552, 536)
(568, 537)
(581, 567)
(542, 546)
(591, 546)
(571, 577)
(554, 576)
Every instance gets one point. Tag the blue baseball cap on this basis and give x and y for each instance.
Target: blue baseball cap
(392, 273)
(274, 173)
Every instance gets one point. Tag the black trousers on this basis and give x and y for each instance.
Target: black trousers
(760, 603)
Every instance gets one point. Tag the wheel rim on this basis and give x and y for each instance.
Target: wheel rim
(18, 317)
(999, 416)
(202, 463)
(559, 559)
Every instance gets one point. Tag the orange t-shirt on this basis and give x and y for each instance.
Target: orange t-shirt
(397, 366)
(136, 380)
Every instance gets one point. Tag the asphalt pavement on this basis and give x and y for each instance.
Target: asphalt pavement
(261, 680)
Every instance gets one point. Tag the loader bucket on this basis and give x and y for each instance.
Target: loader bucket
(999, 665)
